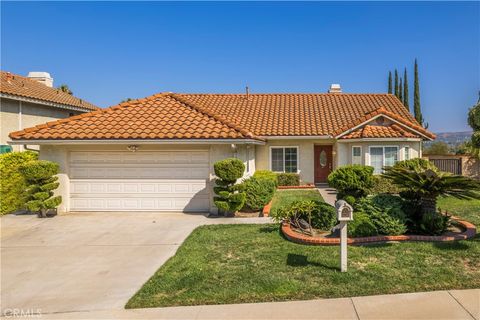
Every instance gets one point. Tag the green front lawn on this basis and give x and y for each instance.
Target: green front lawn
(284, 197)
(253, 263)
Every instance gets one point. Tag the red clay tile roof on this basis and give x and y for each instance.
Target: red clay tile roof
(300, 114)
(16, 85)
(210, 116)
(413, 124)
(157, 117)
(371, 131)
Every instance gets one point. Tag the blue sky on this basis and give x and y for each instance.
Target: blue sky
(108, 51)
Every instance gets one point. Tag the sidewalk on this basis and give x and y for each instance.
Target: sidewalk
(453, 304)
(328, 194)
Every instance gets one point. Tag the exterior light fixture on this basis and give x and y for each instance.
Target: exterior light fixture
(132, 148)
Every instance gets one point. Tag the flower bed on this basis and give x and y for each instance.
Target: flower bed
(469, 232)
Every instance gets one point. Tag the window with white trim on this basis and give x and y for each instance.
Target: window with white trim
(356, 155)
(382, 157)
(284, 159)
(406, 153)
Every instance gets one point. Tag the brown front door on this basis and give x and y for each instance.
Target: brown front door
(323, 163)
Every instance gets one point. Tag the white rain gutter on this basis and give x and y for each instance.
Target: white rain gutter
(134, 141)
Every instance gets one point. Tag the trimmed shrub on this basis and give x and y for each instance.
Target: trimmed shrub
(319, 214)
(258, 192)
(41, 179)
(361, 226)
(383, 185)
(230, 196)
(288, 179)
(266, 174)
(388, 220)
(13, 185)
(324, 216)
(351, 180)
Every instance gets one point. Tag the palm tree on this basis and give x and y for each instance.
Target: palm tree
(422, 179)
(65, 88)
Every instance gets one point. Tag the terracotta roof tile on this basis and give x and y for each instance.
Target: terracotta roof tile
(233, 116)
(17, 85)
(162, 114)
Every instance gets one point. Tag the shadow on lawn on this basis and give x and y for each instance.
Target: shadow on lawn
(298, 260)
(456, 245)
(269, 228)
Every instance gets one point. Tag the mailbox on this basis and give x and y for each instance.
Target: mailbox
(344, 211)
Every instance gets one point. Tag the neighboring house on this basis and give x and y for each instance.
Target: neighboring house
(32, 100)
(157, 153)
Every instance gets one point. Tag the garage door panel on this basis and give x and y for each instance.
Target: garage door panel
(140, 204)
(140, 181)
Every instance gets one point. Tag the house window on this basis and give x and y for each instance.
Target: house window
(356, 155)
(407, 153)
(284, 159)
(382, 157)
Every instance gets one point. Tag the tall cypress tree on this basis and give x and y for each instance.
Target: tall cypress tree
(390, 89)
(396, 83)
(405, 90)
(400, 90)
(416, 96)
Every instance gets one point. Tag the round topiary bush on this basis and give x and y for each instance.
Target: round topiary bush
(230, 196)
(41, 179)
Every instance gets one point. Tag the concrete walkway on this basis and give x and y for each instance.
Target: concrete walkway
(437, 305)
(328, 194)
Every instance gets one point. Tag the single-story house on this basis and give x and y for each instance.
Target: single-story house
(28, 101)
(157, 153)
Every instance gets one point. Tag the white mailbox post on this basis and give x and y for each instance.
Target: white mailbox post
(344, 214)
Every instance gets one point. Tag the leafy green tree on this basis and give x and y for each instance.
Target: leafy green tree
(390, 89)
(416, 96)
(405, 90)
(41, 179)
(396, 83)
(437, 148)
(474, 122)
(65, 88)
(230, 196)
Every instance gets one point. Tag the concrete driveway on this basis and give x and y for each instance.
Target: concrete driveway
(87, 261)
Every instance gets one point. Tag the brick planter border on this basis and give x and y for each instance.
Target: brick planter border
(470, 231)
(266, 209)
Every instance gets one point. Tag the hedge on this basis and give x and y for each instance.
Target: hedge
(12, 186)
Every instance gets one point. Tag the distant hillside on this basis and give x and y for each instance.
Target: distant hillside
(452, 138)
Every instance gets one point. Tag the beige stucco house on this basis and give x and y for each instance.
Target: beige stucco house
(157, 153)
(28, 101)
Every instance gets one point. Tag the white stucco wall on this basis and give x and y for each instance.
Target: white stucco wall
(305, 155)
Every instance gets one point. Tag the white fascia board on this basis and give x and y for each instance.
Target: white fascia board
(139, 142)
(385, 116)
(43, 102)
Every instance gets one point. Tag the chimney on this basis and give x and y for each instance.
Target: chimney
(335, 88)
(42, 77)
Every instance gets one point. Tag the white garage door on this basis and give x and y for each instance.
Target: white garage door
(139, 181)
